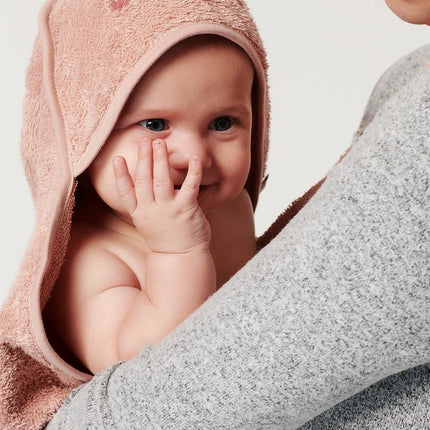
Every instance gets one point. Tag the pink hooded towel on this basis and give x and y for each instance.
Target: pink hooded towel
(87, 58)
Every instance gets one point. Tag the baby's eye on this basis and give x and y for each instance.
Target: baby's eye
(221, 123)
(154, 124)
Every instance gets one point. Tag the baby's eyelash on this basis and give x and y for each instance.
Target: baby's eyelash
(155, 124)
(222, 123)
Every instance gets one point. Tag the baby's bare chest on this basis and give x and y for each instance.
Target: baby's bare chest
(115, 250)
(107, 258)
(230, 249)
(232, 244)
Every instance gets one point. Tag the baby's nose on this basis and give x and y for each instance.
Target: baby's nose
(181, 152)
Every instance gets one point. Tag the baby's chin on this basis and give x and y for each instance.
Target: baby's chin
(213, 200)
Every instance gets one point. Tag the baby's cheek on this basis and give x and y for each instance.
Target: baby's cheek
(245, 163)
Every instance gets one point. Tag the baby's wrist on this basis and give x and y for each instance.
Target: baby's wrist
(195, 250)
(198, 261)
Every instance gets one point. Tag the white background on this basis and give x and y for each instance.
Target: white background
(325, 57)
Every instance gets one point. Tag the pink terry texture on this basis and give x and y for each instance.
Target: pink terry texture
(87, 58)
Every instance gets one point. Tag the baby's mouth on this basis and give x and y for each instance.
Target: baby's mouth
(201, 187)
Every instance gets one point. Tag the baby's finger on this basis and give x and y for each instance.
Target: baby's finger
(162, 182)
(143, 175)
(124, 184)
(190, 187)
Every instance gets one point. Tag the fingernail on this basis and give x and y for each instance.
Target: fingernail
(116, 161)
(157, 143)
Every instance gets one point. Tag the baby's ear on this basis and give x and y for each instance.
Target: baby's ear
(263, 182)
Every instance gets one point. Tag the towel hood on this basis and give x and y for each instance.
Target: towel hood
(87, 58)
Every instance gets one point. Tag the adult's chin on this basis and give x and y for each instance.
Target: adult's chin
(411, 11)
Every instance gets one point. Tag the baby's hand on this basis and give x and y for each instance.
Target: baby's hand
(170, 221)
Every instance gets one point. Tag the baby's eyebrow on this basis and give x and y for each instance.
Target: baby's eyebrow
(154, 112)
(240, 109)
(139, 114)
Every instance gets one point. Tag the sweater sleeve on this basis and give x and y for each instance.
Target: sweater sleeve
(337, 301)
(400, 401)
(394, 80)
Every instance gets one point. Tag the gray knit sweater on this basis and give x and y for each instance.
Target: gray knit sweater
(338, 301)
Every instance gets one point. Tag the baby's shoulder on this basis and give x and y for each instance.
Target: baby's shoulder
(85, 293)
(91, 266)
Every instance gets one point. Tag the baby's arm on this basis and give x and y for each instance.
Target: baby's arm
(175, 286)
(179, 272)
(100, 309)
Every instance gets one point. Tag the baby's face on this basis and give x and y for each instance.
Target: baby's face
(198, 99)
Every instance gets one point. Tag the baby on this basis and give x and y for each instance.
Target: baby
(163, 218)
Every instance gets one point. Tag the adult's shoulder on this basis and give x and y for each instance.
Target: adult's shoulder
(408, 65)
(394, 79)
(402, 71)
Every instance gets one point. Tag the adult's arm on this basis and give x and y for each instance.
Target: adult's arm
(400, 401)
(337, 301)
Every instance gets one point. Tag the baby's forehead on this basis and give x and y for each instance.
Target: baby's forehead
(206, 52)
(204, 42)
(201, 45)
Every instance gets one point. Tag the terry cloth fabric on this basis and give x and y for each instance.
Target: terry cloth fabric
(335, 310)
(87, 58)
